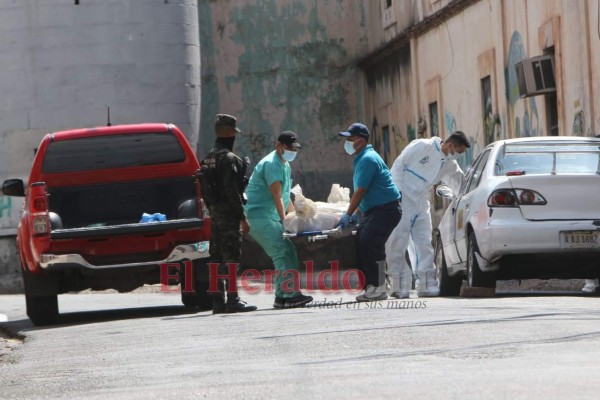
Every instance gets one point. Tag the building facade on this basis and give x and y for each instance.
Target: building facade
(436, 66)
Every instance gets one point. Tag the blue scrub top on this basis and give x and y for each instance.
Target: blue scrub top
(371, 173)
(259, 199)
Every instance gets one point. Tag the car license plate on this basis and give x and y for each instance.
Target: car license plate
(580, 239)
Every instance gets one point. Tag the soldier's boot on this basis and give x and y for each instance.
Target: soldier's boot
(218, 299)
(234, 303)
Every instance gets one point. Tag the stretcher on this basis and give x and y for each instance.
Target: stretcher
(313, 236)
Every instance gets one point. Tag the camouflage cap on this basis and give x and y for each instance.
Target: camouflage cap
(229, 120)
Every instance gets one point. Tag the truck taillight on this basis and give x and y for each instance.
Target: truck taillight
(39, 204)
(40, 224)
(515, 198)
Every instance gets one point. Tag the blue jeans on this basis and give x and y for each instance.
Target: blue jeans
(373, 232)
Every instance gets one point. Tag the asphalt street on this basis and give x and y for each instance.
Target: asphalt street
(140, 346)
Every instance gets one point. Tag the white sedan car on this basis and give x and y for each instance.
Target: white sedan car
(530, 208)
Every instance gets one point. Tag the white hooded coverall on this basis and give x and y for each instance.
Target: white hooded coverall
(421, 165)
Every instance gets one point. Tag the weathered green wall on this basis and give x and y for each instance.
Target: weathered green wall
(285, 65)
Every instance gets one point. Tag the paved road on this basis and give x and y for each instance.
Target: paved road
(140, 346)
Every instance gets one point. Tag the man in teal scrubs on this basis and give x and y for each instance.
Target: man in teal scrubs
(268, 195)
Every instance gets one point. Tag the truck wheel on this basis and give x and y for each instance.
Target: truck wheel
(42, 310)
(475, 276)
(449, 285)
(40, 302)
(198, 297)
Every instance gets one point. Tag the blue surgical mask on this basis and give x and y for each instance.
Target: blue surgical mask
(289, 156)
(349, 147)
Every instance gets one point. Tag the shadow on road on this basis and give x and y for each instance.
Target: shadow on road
(90, 317)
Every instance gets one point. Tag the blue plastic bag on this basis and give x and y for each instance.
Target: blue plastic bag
(156, 217)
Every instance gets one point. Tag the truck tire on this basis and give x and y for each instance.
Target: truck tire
(42, 310)
(40, 302)
(199, 297)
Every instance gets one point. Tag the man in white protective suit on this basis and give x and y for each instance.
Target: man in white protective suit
(422, 164)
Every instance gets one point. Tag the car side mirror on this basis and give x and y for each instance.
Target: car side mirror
(13, 187)
(444, 192)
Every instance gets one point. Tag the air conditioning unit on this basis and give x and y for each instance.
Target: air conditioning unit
(535, 76)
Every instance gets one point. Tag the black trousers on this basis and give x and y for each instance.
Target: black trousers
(375, 228)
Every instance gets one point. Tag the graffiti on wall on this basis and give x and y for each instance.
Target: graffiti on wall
(579, 125)
(526, 117)
(411, 134)
(5, 207)
(470, 153)
(450, 122)
(8, 215)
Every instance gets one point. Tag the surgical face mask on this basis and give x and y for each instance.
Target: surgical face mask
(349, 147)
(289, 156)
(453, 156)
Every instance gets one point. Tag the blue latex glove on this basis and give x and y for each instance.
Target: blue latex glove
(344, 221)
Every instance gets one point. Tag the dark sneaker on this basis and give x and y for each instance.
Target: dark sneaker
(238, 306)
(298, 300)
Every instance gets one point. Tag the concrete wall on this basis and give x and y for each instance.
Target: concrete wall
(62, 64)
(285, 65)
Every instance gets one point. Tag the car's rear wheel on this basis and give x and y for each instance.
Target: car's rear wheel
(198, 296)
(449, 285)
(475, 276)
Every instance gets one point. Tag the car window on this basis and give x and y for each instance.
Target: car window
(478, 171)
(112, 151)
(573, 163)
(549, 158)
(540, 163)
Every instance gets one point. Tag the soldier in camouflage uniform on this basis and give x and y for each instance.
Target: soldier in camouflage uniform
(227, 214)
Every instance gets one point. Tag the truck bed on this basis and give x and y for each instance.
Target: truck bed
(104, 207)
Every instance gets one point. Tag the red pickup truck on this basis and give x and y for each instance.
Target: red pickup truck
(81, 225)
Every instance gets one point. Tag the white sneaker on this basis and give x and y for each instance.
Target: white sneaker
(373, 293)
(427, 285)
(590, 286)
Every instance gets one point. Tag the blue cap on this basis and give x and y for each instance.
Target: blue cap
(356, 129)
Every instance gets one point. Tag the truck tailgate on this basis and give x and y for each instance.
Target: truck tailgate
(126, 229)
